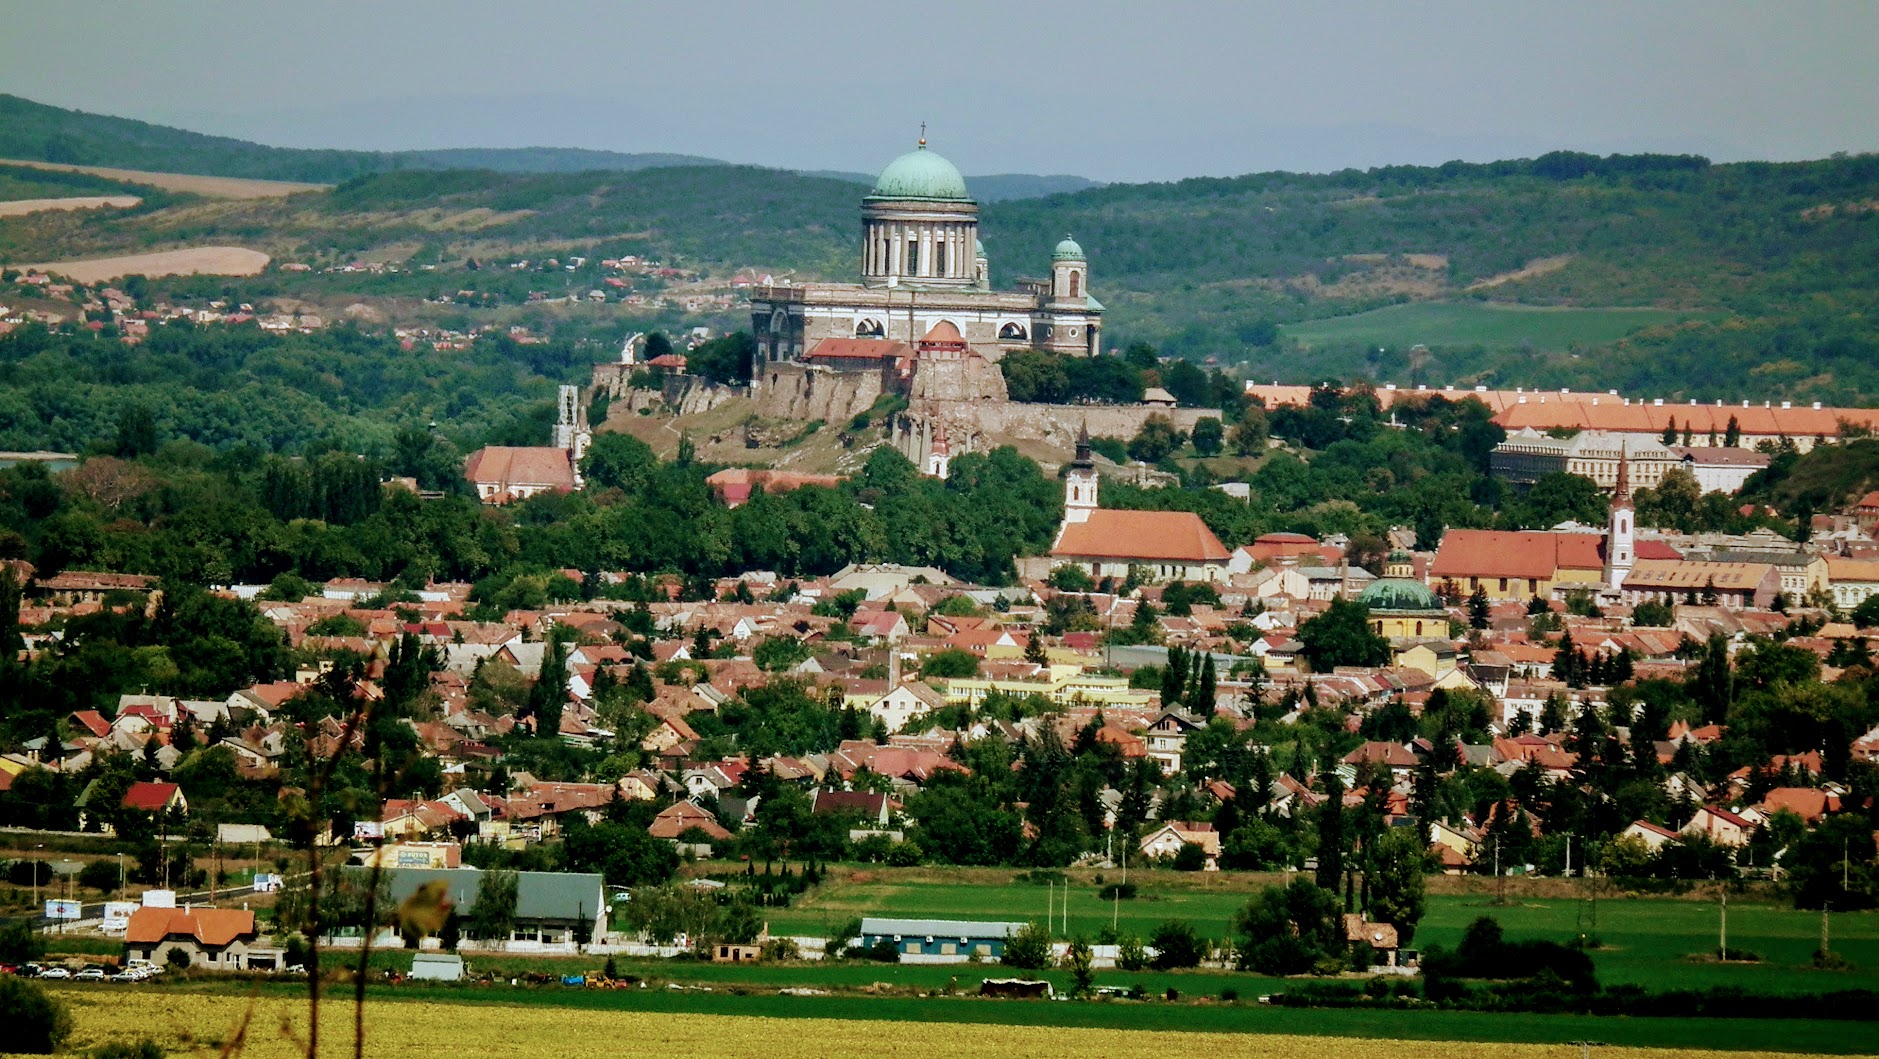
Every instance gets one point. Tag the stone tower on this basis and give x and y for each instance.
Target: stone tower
(1621, 551)
(1069, 272)
(1080, 483)
(940, 457)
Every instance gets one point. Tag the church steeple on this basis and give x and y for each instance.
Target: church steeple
(1621, 552)
(1081, 481)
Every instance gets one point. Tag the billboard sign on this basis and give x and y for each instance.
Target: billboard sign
(266, 882)
(117, 916)
(368, 831)
(159, 898)
(58, 908)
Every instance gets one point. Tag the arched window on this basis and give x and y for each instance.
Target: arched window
(1076, 283)
(869, 329)
(1012, 332)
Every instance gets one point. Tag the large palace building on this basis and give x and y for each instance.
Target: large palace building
(922, 265)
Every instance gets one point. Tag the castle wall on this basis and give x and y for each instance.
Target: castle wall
(804, 391)
(975, 426)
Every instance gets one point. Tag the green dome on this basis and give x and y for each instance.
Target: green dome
(1068, 250)
(978, 247)
(921, 174)
(1399, 593)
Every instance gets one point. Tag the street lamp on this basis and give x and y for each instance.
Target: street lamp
(37, 910)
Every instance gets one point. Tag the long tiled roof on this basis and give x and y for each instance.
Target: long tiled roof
(1149, 536)
(1529, 554)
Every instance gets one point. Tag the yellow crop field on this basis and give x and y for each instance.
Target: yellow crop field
(202, 1024)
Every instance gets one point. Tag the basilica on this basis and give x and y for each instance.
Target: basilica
(922, 265)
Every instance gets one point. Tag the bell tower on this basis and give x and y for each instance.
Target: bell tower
(1621, 552)
(1080, 483)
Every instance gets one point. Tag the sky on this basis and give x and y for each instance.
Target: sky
(1114, 91)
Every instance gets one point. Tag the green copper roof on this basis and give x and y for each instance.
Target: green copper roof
(1090, 302)
(978, 247)
(921, 174)
(1068, 250)
(1398, 593)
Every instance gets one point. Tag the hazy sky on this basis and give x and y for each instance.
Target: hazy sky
(1115, 91)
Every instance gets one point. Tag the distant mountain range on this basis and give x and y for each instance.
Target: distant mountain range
(37, 132)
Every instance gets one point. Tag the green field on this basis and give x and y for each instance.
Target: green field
(1474, 323)
(1644, 940)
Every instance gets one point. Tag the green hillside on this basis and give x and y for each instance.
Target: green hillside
(1658, 274)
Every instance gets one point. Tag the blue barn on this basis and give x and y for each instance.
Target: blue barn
(939, 940)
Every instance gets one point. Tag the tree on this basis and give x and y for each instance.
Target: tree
(1207, 436)
(1652, 614)
(37, 1022)
(1866, 615)
(1732, 437)
(549, 694)
(1393, 876)
(1288, 930)
(953, 663)
(1342, 636)
(618, 461)
(492, 916)
(1331, 833)
(1177, 944)
(1156, 440)
(1028, 948)
(1670, 431)
(1478, 608)
(1082, 961)
(1071, 578)
(1713, 684)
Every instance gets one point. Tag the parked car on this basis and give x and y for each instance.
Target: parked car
(90, 974)
(55, 972)
(127, 975)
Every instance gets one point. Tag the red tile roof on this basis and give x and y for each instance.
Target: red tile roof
(1527, 554)
(149, 797)
(1153, 536)
(506, 466)
(209, 926)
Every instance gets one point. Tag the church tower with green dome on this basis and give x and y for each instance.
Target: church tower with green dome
(920, 226)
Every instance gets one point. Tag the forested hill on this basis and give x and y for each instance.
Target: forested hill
(36, 132)
(39, 133)
(1654, 274)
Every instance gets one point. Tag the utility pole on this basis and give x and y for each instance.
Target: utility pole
(1568, 856)
(1723, 946)
(1824, 950)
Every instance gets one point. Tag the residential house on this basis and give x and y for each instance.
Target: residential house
(221, 939)
(554, 911)
(1167, 840)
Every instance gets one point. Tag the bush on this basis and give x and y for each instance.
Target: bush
(99, 875)
(884, 951)
(1129, 954)
(143, 1048)
(178, 960)
(36, 1021)
(1029, 948)
(1190, 857)
(20, 943)
(1177, 944)
(1117, 891)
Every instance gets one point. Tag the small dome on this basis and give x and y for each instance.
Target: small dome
(1068, 250)
(978, 248)
(1399, 593)
(921, 174)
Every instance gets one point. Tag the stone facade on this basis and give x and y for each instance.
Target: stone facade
(923, 266)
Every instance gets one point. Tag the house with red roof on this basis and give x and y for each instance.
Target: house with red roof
(1808, 803)
(1723, 826)
(1517, 564)
(681, 817)
(218, 938)
(148, 797)
(502, 473)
